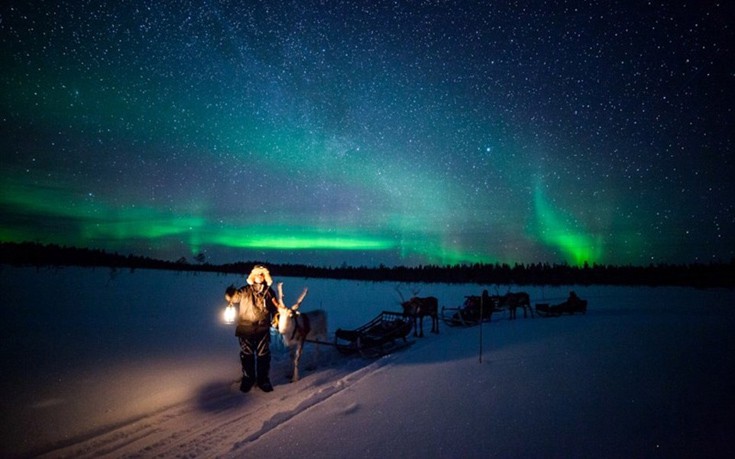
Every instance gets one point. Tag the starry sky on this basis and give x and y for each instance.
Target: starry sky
(367, 133)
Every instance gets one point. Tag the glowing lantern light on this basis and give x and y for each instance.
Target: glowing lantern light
(230, 314)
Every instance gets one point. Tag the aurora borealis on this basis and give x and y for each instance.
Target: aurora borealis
(367, 133)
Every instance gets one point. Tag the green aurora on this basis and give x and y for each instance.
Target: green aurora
(377, 135)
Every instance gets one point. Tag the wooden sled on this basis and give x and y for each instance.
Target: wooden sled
(572, 305)
(471, 313)
(384, 334)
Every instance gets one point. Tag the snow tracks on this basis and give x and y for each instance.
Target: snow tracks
(219, 420)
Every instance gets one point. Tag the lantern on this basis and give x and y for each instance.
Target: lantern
(230, 314)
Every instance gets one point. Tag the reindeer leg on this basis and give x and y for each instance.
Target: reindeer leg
(292, 356)
(297, 356)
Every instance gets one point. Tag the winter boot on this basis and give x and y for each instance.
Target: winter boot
(248, 371)
(264, 366)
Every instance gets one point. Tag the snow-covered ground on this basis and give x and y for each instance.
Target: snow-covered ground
(97, 362)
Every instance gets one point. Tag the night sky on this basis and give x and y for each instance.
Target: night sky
(366, 133)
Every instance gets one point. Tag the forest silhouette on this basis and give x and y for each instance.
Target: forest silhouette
(701, 275)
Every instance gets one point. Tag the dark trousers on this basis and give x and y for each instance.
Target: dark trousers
(254, 349)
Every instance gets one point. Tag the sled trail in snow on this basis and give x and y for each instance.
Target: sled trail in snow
(233, 420)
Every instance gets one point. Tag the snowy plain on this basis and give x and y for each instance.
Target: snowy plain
(114, 363)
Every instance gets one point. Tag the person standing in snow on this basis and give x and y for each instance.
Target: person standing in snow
(256, 311)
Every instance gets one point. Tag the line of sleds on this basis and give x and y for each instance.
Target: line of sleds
(480, 308)
(387, 332)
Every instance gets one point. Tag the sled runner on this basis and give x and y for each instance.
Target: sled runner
(572, 305)
(382, 335)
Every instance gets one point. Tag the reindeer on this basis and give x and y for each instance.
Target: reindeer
(514, 300)
(297, 327)
(417, 308)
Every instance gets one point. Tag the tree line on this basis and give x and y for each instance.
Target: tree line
(703, 275)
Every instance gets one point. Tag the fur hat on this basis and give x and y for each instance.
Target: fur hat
(259, 269)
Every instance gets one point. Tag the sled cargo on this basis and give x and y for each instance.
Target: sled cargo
(382, 335)
(472, 312)
(571, 306)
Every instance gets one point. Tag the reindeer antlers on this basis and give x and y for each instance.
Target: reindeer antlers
(414, 292)
(298, 302)
(400, 293)
(301, 298)
(280, 302)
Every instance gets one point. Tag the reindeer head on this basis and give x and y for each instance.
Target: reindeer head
(285, 317)
(411, 305)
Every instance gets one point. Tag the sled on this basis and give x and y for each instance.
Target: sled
(384, 334)
(471, 313)
(572, 305)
